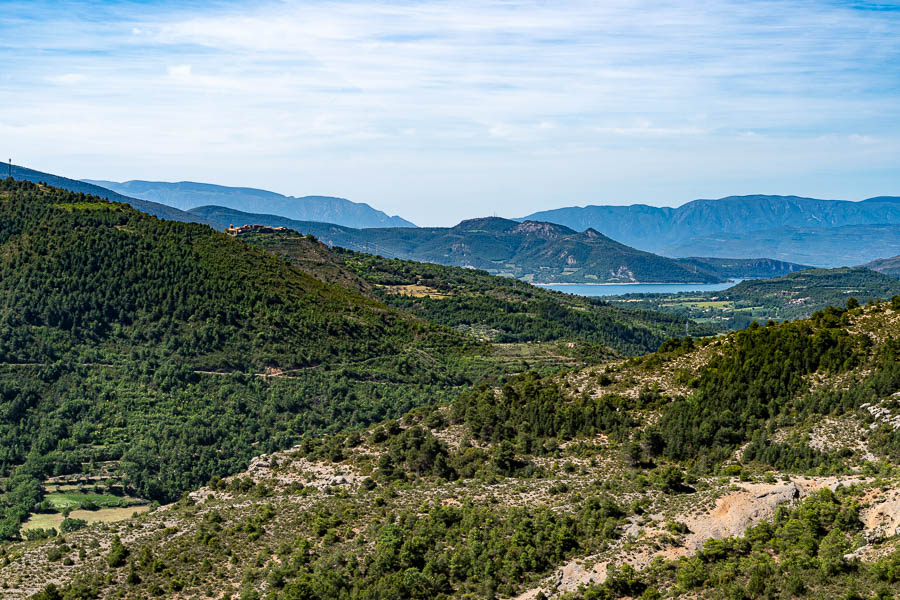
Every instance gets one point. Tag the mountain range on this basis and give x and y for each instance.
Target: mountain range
(790, 230)
(533, 251)
(728, 226)
(185, 195)
(847, 245)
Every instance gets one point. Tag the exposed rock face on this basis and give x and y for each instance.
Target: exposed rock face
(732, 515)
(882, 519)
(545, 230)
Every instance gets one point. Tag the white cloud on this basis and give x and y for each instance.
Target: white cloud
(179, 72)
(68, 79)
(392, 102)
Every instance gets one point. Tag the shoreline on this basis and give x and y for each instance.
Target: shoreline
(637, 283)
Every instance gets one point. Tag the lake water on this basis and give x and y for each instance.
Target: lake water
(617, 289)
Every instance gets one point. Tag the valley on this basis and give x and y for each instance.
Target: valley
(417, 430)
(794, 296)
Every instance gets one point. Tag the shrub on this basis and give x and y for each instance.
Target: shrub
(117, 554)
(69, 525)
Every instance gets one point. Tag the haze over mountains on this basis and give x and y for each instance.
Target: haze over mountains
(533, 251)
(791, 231)
(729, 226)
(185, 195)
(848, 245)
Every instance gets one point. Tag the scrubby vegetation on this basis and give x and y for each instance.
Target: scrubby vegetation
(805, 551)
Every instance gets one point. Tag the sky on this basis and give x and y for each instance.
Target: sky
(441, 111)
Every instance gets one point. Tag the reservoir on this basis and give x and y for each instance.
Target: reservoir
(617, 289)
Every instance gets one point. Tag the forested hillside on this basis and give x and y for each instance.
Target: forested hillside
(149, 356)
(744, 268)
(180, 351)
(760, 464)
(499, 309)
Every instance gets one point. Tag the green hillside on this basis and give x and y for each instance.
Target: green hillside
(180, 352)
(150, 355)
(498, 309)
(762, 464)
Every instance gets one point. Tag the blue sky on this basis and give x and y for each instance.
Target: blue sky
(440, 111)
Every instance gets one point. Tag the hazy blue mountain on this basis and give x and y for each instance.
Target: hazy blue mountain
(744, 268)
(888, 266)
(819, 246)
(533, 251)
(883, 199)
(663, 229)
(156, 209)
(185, 195)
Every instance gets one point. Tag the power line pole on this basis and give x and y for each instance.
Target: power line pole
(9, 172)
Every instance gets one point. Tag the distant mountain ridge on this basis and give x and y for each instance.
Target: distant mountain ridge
(185, 195)
(888, 266)
(671, 231)
(744, 268)
(820, 246)
(533, 251)
(156, 209)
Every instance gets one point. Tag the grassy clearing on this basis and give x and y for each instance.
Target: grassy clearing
(416, 291)
(104, 515)
(72, 206)
(63, 500)
(707, 304)
(63, 488)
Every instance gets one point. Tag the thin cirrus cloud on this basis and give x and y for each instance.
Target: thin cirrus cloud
(445, 110)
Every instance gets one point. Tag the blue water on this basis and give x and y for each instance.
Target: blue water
(616, 289)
